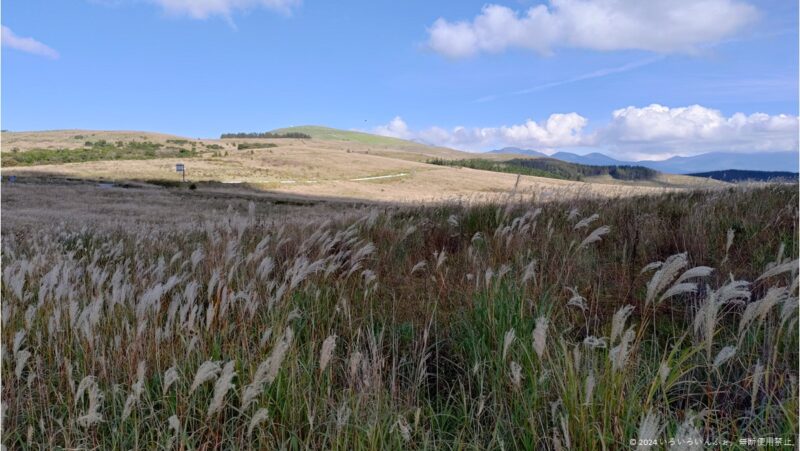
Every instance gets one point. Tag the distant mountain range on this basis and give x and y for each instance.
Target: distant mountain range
(707, 162)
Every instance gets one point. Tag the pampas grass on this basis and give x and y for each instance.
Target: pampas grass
(588, 389)
(595, 236)
(540, 335)
(325, 354)
(259, 417)
(170, 377)
(688, 437)
(136, 391)
(618, 322)
(515, 373)
(21, 362)
(666, 273)
(92, 415)
(208, 371)
(181, 335)
(724, 355)
(174, 424)
(649, 430)
(223, 384)
(619, 354)
(508, 339)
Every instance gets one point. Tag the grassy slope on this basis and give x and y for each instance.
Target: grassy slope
(374, 141)
(319, 167)
(320, 132)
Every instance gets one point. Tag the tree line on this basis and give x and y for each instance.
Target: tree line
(267, 135)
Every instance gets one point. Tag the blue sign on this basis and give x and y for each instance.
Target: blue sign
(179, 167)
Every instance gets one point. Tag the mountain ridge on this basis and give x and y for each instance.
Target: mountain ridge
(706, 162)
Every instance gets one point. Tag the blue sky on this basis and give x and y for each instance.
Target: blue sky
(683, 76)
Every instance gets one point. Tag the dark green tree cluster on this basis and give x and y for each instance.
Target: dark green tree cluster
(551, 168)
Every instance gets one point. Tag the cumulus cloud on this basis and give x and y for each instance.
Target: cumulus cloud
(558, 130)
(29, 45)
(396, 128)
(662, 131)
(664, 26)
(650, 132)
(202, 9)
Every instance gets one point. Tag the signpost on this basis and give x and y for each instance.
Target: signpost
(182, 169)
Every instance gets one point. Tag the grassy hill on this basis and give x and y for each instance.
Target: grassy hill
(332, 164)
(327, 133)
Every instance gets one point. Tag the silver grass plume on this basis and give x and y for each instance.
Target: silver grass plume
(595, 236)
(530, 271)
(259, 417)
(92, 415)
(649, 430)
(419, 266)
(136, 391)
(278, 354)
(619, 353)
(576, 300)
(22, 361)
(516, 375)
(224, 383)
(585, 222)
(762, 307)
(328, 347)
(595, 343)
(342, 415)
(724, 355)
(209, 370)
(665, 275)
(267, 371)
(588, 389)
(758, 374)
(663, 372)
(540, 335)
(728, 243)
(174, 424)
(19, 337)
(779, 269)
(404, 428)
(170, 377)
(619, 320)
(507, 341)
(688, 437)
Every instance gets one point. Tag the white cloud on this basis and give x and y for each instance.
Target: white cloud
(396, 128)
(660, 131)
(29, 45)
(664, 26)
(559, 130)
(202, 9)
(651, 132)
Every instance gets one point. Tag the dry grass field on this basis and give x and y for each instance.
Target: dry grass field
(344, 165)
(341, 293)
(150, 318)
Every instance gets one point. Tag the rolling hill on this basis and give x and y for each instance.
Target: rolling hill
(333, 164)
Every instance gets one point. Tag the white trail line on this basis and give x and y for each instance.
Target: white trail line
(402, 174)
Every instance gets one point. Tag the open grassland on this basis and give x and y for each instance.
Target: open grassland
(322, 167)
(575, 324)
